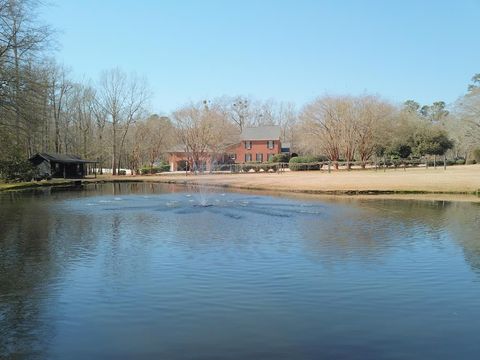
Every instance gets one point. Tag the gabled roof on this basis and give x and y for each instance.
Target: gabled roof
(61, 158)
(178, 148)
(267, 132)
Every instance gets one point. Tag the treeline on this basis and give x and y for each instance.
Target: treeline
(346, 128)
(42, 109)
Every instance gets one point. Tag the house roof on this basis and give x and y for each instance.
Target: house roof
(178, 148)
(61, 158)
(268, 132)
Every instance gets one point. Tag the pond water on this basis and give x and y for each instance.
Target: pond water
(141, 271)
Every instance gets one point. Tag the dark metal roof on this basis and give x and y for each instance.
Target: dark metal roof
(62, 158)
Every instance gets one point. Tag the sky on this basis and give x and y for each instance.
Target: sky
(286, 50)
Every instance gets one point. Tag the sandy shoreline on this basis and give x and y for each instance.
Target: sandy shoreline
(459, 183)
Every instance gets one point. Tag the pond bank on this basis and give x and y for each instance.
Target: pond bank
(458, 182)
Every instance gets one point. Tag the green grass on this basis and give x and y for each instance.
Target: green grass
(31, 184)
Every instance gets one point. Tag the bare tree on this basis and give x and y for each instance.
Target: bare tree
(203, 131)
(59, 87)
(372, 123)
(81, 106)
(239, 111)
(123, 99)
(22, 38)
(321, 123)
(158, 137)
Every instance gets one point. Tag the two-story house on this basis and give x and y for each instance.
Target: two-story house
(257, 144)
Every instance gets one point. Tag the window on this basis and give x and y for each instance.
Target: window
(270, 157)
(248, 157)
(248, 145)
(259, 157)
(270, 144)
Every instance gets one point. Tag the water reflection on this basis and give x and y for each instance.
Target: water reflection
(94, 272)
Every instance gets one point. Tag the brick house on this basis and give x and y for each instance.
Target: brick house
(257, 144)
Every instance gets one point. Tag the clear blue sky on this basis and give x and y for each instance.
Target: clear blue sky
(289, 50)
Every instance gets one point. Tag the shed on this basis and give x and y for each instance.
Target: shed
(51, 165)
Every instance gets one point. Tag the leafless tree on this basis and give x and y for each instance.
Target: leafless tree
(123, 98)
(372, 120)
(59, 86)
(203, 131)
(158, 137)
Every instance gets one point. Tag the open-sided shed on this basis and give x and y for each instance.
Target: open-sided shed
(50, 165)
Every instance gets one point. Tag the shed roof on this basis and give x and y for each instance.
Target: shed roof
(61, 158)
(267, 132)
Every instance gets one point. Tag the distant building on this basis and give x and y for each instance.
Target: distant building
(257, 144)
(51, 165)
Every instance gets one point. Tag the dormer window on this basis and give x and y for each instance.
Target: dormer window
(270, 144)
(248, 145)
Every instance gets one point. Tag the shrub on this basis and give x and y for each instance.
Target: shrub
(247, 167)
(399, 150)
(302, 163)
(471, 162)
(280, 158)
(439, 162)
(460, 162)
(269, 166)
(154, 170)
(17, 169)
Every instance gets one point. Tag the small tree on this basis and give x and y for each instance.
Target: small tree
(433, 143)
(16, 169)
(401, 150)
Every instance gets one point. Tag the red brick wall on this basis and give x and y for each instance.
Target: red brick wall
(258, 147)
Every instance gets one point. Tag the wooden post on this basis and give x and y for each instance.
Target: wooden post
(329, 166)
(444, 162)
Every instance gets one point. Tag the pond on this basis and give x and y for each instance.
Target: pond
(156, 271)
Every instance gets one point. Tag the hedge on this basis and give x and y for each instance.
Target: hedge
(156, 169)
(280, 158)
(301, 163)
